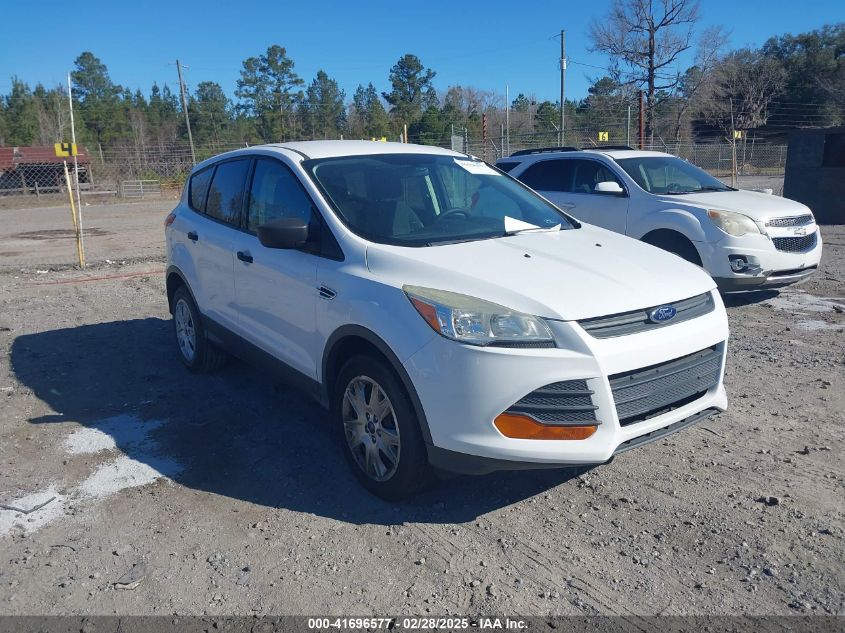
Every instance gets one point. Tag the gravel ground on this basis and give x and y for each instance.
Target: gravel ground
(225, 494)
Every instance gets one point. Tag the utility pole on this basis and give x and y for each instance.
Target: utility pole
(562, 135)
(642, 121)
(628, 127)
(185, 110)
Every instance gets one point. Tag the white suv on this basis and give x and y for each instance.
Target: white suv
(744, 239)
(450, 318)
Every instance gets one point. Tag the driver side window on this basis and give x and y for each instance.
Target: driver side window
(589, 173)
(275, 193)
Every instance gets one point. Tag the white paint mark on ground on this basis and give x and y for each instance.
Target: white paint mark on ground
(814, 325)
(125, 432)
(139, 464)
(126, 472)
(796, 300)
(9, 519)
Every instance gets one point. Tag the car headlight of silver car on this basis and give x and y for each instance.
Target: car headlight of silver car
(477, 322)
(732, 223)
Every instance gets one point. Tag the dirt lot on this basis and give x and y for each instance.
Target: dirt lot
(226, 494)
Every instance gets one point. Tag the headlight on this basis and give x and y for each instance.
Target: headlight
(732, 223)
(475, 321)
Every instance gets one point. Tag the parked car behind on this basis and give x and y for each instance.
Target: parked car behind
(448, 317)
(746, 240)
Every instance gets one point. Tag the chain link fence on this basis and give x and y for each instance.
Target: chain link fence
(107, 176)
(126, 193)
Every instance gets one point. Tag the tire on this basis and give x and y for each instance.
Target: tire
(382, 443)
(674, 243)
(196, 352)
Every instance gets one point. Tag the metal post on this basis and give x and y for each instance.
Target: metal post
(185, 110)
(507, 147)
(642, 121)
(78, 213)
(562, 135)
(628, 128)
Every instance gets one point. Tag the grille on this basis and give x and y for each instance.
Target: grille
(652, 391)
(560, 403)
(638, 321)
(795, 244)
(798, 220)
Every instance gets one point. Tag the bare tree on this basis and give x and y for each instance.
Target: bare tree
(644, 39)
(741, 89)
(696, 80)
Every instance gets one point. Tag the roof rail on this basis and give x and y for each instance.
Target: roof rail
(540, 150)
(609, 147)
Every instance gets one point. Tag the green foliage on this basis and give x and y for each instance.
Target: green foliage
(20, 115)
(814, 63)
(269, 91)
(412, 91)
(369, 118)
(210, 113)
(323, 111)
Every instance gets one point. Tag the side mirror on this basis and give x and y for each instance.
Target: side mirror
(284, 233)
(609, 187)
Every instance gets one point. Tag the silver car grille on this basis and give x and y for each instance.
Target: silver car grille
(798, 220)
(638, 320)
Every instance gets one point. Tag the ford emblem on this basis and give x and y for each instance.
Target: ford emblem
(662, 314)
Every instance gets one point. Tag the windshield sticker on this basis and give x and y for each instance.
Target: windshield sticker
(477, 167)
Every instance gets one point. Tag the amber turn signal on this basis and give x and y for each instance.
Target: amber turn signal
(524, 428)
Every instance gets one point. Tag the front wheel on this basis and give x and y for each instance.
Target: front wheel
(379, 430)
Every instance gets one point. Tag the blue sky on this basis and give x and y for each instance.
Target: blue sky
(486, 45)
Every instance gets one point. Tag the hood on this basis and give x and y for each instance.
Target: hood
(758, 206)
(568, 275)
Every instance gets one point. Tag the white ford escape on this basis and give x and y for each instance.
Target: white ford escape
(450, 318)
(746, 240)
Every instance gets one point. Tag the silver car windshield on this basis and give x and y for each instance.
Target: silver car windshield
(428, 199)
(669, 175)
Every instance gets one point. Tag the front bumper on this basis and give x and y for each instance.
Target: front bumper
(768, 267)
(464, 388)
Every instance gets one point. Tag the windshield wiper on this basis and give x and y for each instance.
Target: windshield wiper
(683, 193)
(533, 229)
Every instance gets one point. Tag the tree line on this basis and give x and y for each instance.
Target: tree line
(790, 81)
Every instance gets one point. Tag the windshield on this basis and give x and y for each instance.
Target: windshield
(669, 175)
(426, 199)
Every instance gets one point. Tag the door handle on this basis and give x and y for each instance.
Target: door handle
(192, 235)
(567, 205)
(245, 257)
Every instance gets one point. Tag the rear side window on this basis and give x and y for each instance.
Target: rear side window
(506, 166)
(226, 194)
(198, 189)
(549, 175)
(275, 194)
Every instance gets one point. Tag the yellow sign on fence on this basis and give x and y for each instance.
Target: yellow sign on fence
(737, 133)
(64, 150)
(604, 136)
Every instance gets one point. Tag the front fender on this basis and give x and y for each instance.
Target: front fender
(680, 220)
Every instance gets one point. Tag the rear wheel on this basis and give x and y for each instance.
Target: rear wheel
(379, 430)
(195, 350)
